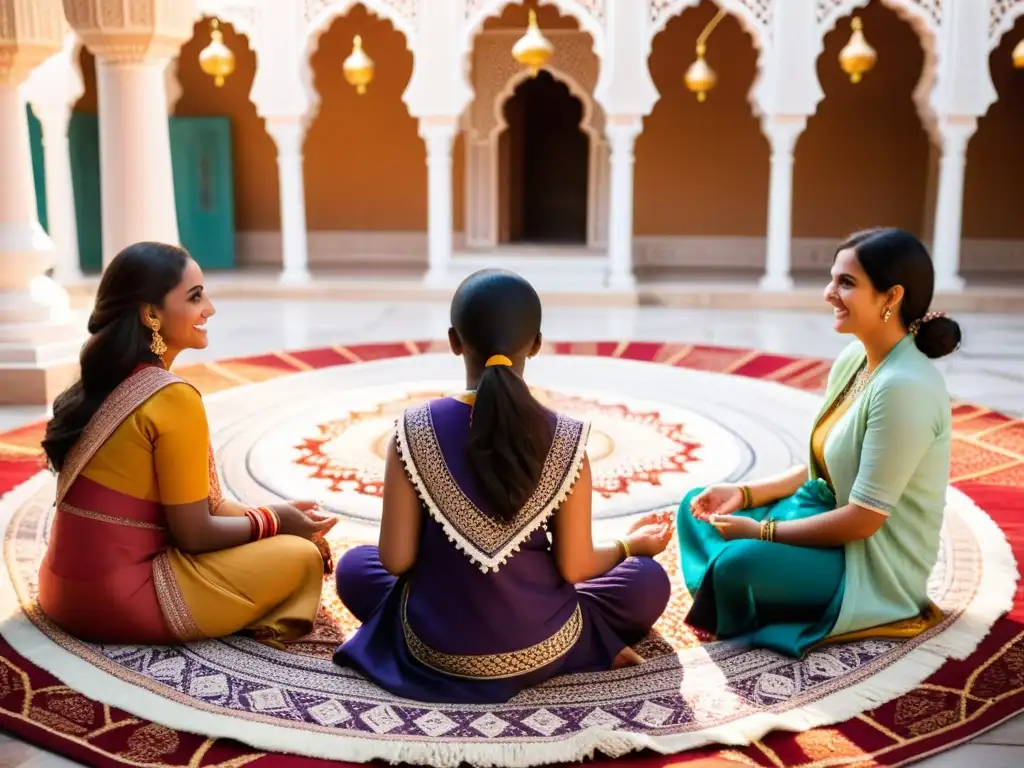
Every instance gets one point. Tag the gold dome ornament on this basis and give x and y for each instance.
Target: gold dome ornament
(358, 67)
(857, 57)
(216, 59)
(1018, 55)
(700, 77)
(533, 50)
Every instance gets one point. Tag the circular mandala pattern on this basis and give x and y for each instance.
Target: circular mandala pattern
(323, 434)
(642, 454)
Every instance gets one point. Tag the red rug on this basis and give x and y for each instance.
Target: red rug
(962, 700)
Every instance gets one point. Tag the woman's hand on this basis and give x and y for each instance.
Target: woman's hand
(298, 518)
(717, 500)
(664, 517)
(650, 539)
(732, 527)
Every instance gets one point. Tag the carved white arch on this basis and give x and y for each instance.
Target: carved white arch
(591, 122)
(321, 14)
(485, 122)
(924, 17)
(1003, 15)
(588, 13)
(754, 16)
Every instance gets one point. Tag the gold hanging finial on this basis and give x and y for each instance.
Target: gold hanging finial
(700, 77)
(358, 67)
(1018, 55)
(533, 50)
(216, 59)
(857, 57)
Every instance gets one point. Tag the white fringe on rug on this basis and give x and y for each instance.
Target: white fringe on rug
(993, 598)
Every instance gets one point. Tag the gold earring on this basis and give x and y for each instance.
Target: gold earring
(886, 315)
(157, 346)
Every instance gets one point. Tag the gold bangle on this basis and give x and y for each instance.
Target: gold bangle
(625, 549)
(764, 530)
(771, 530)
(748, 497)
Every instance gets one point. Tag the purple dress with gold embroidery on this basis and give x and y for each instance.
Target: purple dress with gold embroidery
(485, 613)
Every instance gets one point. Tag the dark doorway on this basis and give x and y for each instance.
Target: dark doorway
(544, 159)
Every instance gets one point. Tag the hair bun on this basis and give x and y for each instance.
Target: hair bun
(936, 334)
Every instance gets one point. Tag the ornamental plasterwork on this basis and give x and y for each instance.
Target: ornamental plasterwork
(475, 8)
(243, 16)
(828, 12)
(401, 13)
(754, 15)
(494, 68)
(132, 30)
(32, 21)
(1003, 14)
(30, 32)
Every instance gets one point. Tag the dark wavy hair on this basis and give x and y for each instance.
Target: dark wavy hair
(496, 312)
(892, 257)
(141, 274)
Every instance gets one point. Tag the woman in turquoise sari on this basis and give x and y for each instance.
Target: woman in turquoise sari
(846, 545)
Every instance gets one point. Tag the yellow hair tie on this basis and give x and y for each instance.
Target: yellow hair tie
(497, 360)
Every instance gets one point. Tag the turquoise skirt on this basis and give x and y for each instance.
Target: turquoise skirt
(761, 593)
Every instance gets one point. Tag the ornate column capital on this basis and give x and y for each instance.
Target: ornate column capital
(132, 30)
(30, 32)
(783, 131)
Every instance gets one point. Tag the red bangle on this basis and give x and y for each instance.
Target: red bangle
(258, 524)
(271, 520)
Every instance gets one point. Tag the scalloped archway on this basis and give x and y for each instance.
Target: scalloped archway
(495, 75)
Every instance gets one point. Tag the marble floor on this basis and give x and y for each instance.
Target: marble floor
(988, 369)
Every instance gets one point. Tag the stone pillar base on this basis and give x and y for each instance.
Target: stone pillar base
(34, 374)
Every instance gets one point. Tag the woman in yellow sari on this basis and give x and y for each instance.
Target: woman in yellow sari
(143, 548)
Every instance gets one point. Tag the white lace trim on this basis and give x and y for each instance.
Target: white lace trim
(485, 560)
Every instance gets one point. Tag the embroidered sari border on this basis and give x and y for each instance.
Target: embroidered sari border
(486, 541)
(493, 666)
(172, 604)
(104, 518)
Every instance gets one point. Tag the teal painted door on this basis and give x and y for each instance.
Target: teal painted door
(84, 145)
(201, 157)
(35, 140)
(204, 191)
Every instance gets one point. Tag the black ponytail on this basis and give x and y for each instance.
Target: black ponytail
(509, 438)
(141, 274)
(497, 312)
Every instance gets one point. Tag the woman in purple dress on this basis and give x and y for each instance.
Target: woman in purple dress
(467, 599)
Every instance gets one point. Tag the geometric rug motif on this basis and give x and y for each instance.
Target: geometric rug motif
(688, 693)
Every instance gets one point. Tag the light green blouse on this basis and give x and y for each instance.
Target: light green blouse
(890, 453)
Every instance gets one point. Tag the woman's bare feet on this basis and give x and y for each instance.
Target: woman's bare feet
(627, 658)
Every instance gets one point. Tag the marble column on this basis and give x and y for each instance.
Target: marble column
(37, 341)
(52, 88)
(289, 134)
(133, 44)
(955, 132)
(439, 135)
(782, 132)
(60, 193)
(622, 132)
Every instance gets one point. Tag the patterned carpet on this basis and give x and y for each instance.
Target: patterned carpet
(681, 426)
